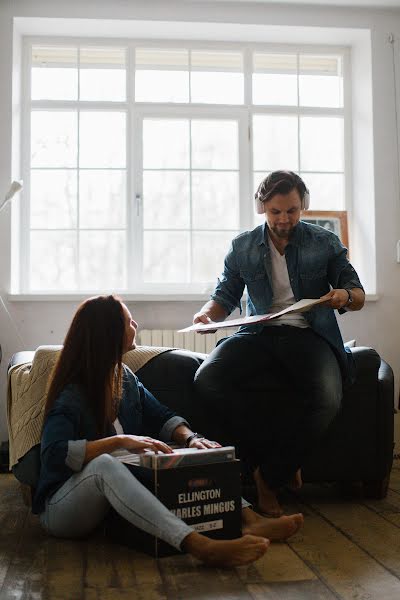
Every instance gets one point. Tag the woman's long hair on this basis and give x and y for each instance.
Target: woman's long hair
(92, 358)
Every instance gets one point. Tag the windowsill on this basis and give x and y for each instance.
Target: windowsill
(172, 297)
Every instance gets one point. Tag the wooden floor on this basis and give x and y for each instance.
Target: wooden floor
(349, 549)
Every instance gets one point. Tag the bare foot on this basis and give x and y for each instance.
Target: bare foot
(268, 504)
(297, 481)
(274, 529)
(225, 553)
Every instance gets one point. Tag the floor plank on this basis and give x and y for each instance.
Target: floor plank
(24, 578)
(184, 578)
(342, 565)
(370, 531)
(64, 569)
(348, 549)
(301, 590)
(279, 564)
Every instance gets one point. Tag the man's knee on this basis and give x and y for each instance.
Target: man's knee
(204, 379)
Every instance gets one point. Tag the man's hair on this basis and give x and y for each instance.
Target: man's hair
(92, 358)
(280, 182)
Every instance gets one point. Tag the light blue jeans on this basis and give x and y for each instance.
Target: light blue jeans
(83, 501)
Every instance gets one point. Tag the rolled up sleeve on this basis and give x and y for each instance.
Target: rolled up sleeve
(170, 426)
(76, 454)
(230, 286)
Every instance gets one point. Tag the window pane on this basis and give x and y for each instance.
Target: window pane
(53, 199)
(102, 199)
(216, 77)
(102, 74)
(166, 256)
(161, 86)
(53, 260)
(54, 74)
(326, 190)
(166, 200)
(102, 84)
(53, 139)
(275, 79)
(321, 143)
(275, 143)
(215, 144)
(102, 139)
(162, 75)
(217, 88)
(215, 200)
(320, 81)
(102, 260)
(275, 89)
(165, 144)
(209, 250)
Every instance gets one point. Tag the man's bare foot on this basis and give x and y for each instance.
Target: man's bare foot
(278, 529)
(225, 553)
(297, 481)
(268, 504)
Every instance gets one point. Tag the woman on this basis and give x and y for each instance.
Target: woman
(96, 405)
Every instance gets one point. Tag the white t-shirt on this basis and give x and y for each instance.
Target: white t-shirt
(282, 291)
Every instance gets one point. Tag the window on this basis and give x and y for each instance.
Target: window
(143, 158)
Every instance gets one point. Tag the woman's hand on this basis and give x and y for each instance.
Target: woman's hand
(139, 443)
(203, 443)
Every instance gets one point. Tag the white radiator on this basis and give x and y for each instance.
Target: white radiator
(188, 341)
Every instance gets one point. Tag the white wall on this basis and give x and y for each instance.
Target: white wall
(35, 323)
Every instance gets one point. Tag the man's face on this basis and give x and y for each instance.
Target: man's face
(282, 213)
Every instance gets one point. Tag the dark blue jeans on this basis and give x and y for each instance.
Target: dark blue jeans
(239, 386)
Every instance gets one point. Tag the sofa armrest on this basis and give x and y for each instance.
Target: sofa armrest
(20, 358)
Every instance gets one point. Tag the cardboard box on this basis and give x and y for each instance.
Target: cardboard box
(207, 497)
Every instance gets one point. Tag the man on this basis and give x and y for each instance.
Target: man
(281, 262)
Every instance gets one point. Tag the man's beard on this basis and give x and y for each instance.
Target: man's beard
(283, 234)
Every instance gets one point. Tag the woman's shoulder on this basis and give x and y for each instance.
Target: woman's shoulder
(128, 375)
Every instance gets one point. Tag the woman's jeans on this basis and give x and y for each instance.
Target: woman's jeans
(268, 433)
(83, 501)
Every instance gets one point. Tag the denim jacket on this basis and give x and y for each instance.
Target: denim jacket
(70, 424)
(316, 262)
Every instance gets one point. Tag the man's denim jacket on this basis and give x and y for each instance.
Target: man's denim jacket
(316, 262)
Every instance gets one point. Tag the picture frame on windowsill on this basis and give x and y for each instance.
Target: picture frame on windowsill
(333, 220)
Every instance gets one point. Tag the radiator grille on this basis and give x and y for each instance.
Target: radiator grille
(188, 341)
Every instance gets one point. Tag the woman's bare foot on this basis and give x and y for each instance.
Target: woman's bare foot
(268, 504)
(225, 553)
(274, 529)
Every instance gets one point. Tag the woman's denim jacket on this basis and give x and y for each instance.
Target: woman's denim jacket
(316, 261)
(70, 424)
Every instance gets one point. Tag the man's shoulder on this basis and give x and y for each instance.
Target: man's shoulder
(316, 232)
(250, 237)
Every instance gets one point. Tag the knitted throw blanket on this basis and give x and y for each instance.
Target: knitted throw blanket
(26, 394)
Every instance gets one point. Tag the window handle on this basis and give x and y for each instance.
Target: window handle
(138, 199)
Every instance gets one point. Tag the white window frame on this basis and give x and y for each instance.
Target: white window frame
(136, 111)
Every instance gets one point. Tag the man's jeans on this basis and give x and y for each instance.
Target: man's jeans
(277, 438)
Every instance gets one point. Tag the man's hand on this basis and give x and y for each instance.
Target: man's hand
(201, 317)
(340, 297)
(211, 312)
